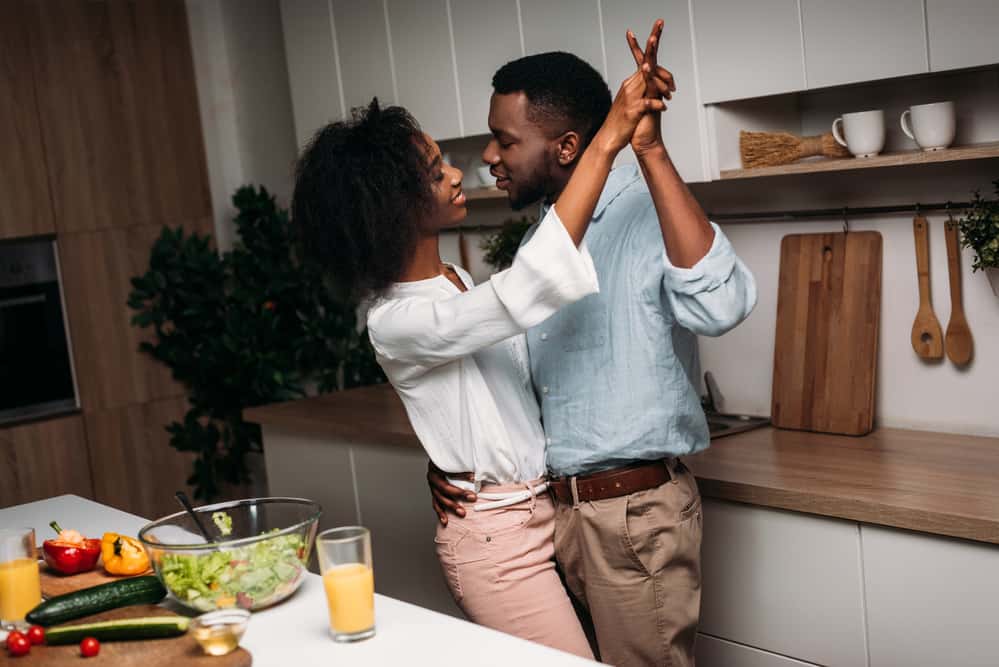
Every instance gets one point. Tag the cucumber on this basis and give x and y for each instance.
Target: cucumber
(154, 627)
(62, 608)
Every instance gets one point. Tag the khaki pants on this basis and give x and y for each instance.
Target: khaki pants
(634, 564)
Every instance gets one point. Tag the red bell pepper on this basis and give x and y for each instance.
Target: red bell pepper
(71, 553)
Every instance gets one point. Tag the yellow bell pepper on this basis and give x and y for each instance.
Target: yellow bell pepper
(123, 555)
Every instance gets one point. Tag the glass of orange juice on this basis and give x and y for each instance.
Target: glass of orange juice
(345, 563)
(20, 587)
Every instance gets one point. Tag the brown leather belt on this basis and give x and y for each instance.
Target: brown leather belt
(613, 483)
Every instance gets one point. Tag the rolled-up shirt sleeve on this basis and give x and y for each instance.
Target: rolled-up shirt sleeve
(713, 296)
(548, 272)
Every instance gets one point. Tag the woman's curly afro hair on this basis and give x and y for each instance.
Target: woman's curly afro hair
(362, 188)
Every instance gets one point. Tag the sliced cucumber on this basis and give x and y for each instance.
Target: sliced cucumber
(154, 627)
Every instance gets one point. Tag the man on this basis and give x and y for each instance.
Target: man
(613, 371)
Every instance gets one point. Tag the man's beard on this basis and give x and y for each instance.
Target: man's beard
(535, 188)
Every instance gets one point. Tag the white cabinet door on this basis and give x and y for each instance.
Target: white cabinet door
(930, 600)
(962, 33)
(425, 65)
(858, 40)
(783, 582)
(361, 35)
(715, 652)
(486, 36)
(682, 120)
(564, 25)
(311, 56)
(746, 49)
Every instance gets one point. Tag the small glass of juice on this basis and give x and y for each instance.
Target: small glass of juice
(20, 586)
(345, 563)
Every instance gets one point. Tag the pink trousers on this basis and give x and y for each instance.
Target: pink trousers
(500, 567)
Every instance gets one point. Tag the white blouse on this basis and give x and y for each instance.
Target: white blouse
(458, 360)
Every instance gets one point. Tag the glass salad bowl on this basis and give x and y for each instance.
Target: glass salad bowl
(256, 556)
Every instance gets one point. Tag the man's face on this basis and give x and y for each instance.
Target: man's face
(520, 154)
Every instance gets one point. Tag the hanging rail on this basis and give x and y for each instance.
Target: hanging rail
(836, 213)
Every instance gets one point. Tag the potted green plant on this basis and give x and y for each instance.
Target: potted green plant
(251, 326)
(980, 232)
(499, 248)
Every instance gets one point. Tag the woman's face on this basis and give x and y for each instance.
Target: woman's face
(445, 183)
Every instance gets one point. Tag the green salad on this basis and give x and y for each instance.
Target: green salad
(250, 577)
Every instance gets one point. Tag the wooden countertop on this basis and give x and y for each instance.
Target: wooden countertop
(938, 483)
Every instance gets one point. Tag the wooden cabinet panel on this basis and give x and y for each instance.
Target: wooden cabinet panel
(312, 71)
(715, 652)
(564, 25)
(363, 47)
(486, 36)
(747, 49)
(119, 113)
(135, 468)
(25, 202)
(43, 459)
(681, 122)
(425, 65)
(858, 40)
(97, 268)
(783, 582)
(962, 33)
(930, 600)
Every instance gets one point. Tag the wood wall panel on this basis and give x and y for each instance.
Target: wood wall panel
(135, 468)
(97, 269)
(43, 459)
(119, 113)
(25, 202)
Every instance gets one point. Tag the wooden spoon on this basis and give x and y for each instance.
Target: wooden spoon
(959, 342)
(927, 337)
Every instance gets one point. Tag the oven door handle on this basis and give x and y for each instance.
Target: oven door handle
(22, 301)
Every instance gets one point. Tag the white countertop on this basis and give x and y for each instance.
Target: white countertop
(295, 631)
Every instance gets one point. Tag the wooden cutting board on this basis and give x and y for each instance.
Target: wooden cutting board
(183, 650)
(825, 351)
(54, 584)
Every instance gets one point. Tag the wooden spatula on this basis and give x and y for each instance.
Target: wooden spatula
(927, 337)
(959, 342)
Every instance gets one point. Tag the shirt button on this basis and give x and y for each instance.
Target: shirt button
(544, 390)
(544, 336)
(548, 441)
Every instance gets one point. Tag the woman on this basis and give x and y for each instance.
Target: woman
(371, 199)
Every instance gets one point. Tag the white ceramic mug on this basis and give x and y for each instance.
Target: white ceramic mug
(931, 126)
(864, 130)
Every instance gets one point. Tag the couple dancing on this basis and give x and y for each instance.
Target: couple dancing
(593, 339)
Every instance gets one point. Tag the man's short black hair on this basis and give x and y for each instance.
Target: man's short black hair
(560, 87)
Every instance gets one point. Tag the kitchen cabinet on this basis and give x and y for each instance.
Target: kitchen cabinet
(930, 600)
(42, 459)
(564, 25)
(486, 36)
(97, 268)
(747, 49)
(858, 40)
(962, 33)
(425, 65)
(134, 466)
(118, 111)
(783, 582)
(364, 52)
(714, 652)
(682, 122)
(25, 203)
(312, 71)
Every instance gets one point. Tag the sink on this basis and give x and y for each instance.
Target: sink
(722, 424)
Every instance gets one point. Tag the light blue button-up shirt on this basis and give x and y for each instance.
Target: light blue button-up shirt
(614, 371)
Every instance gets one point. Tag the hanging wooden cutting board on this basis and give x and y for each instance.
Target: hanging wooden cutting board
(825, 351)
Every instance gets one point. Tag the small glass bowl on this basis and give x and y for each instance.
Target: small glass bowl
(218, 632)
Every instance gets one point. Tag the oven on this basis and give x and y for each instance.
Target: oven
(36, 368)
